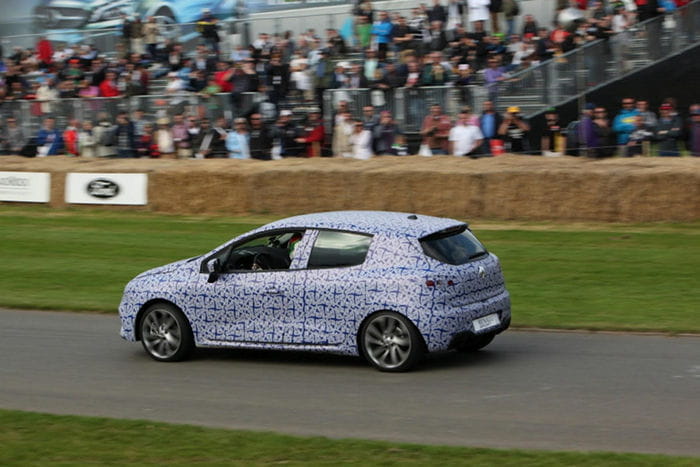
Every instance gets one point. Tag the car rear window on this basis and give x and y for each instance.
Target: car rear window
(454, 246)
(338, 249)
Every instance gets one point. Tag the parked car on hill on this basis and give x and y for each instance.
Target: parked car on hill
(383, 285)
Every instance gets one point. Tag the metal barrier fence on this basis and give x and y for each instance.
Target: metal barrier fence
(573, 73)
(408, 106)
(30, 113)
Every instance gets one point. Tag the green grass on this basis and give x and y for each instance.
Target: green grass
(614, 277)
(38, 439)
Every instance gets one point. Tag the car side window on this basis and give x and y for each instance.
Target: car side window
(334, 249)
(265, 253)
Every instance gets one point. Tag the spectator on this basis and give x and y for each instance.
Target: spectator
(668, 131)
(601, 126)
(435, 130)
(382, 32)
(208, 28)
(87, 143)
(259, 139)
(313, 134)
(465, 138)
(44, 52)
(181, 137)
(435, 38)
(493, 76)
(108, 87)
(13, 138)
(302, 81)
(387, 136)
(343, 129)
(70, 138)
(435, 73)
(124, 137)
(530, 26)
(638, 138)
(163, 138)
(402, 35)
(363, 30)
(625, 122)
(361, 142)
(150, 36)
(495, 8)
(137, 36)
(490, 121)
(694, 131)
(515, 131)
(437, 13)
(237, 140)
(286, 132)
(478, 13)
(104, 136)
(146, 146)
(552, 141)
(47, 94)
(336, 43)
(511, 10)
(650, 119)
(219, 141)
(49, 141)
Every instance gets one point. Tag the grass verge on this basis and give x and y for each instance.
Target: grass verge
(583, 276)
(40, 439)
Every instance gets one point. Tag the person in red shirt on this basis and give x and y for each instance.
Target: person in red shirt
(108, 87)
(70, 138)
(223, 76)
(44, 51)
(314, 134)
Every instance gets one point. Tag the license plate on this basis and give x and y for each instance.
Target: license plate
(486, 322)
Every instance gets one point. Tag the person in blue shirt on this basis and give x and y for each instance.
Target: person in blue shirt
(624, 123)
(49, 141)
(489, 122)
(237, 141)
(382, 31)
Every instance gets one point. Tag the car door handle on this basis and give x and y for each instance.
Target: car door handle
(273, 291)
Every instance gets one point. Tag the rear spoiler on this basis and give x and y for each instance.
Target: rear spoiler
(455, 229)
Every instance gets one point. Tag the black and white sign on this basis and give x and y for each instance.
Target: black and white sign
(25, 187)
(107, 188)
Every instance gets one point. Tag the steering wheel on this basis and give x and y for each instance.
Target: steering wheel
(260, 262)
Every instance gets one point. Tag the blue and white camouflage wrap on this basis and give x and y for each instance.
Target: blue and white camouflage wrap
(323, 309)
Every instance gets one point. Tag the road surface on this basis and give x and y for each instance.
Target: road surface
(531, 390)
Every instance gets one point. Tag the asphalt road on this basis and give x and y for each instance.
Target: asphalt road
(563, 391)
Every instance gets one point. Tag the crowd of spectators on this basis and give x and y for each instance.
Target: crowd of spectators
(457, 43)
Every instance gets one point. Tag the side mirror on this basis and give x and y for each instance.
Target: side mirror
(214, 269)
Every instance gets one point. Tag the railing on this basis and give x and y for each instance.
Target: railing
(408, 106)
(574, 73)
(31, 113)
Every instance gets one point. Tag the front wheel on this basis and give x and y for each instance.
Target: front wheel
(165, 333)
(390, 342)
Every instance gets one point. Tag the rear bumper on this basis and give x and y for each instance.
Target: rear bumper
(462, 338)
(456, 324)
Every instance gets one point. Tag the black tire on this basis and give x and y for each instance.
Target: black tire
(390, 342)
(477, 343)
(165, 333)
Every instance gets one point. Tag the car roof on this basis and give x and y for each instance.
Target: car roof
(371, 222)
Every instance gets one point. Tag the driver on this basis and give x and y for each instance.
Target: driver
(292, 245)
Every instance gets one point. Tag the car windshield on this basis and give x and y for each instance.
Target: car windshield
(454, 246)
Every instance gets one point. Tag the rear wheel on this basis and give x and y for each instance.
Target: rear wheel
(477, 343)
(390, 342)
(165, 333)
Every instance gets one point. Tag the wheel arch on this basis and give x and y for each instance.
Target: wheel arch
(146, 306)
(368, 316)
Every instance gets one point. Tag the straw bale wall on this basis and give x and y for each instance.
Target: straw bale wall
(507, 187)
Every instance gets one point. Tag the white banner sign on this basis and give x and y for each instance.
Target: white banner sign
(25, 187)
(106, 188)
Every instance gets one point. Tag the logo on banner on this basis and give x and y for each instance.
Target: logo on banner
(102, 188)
